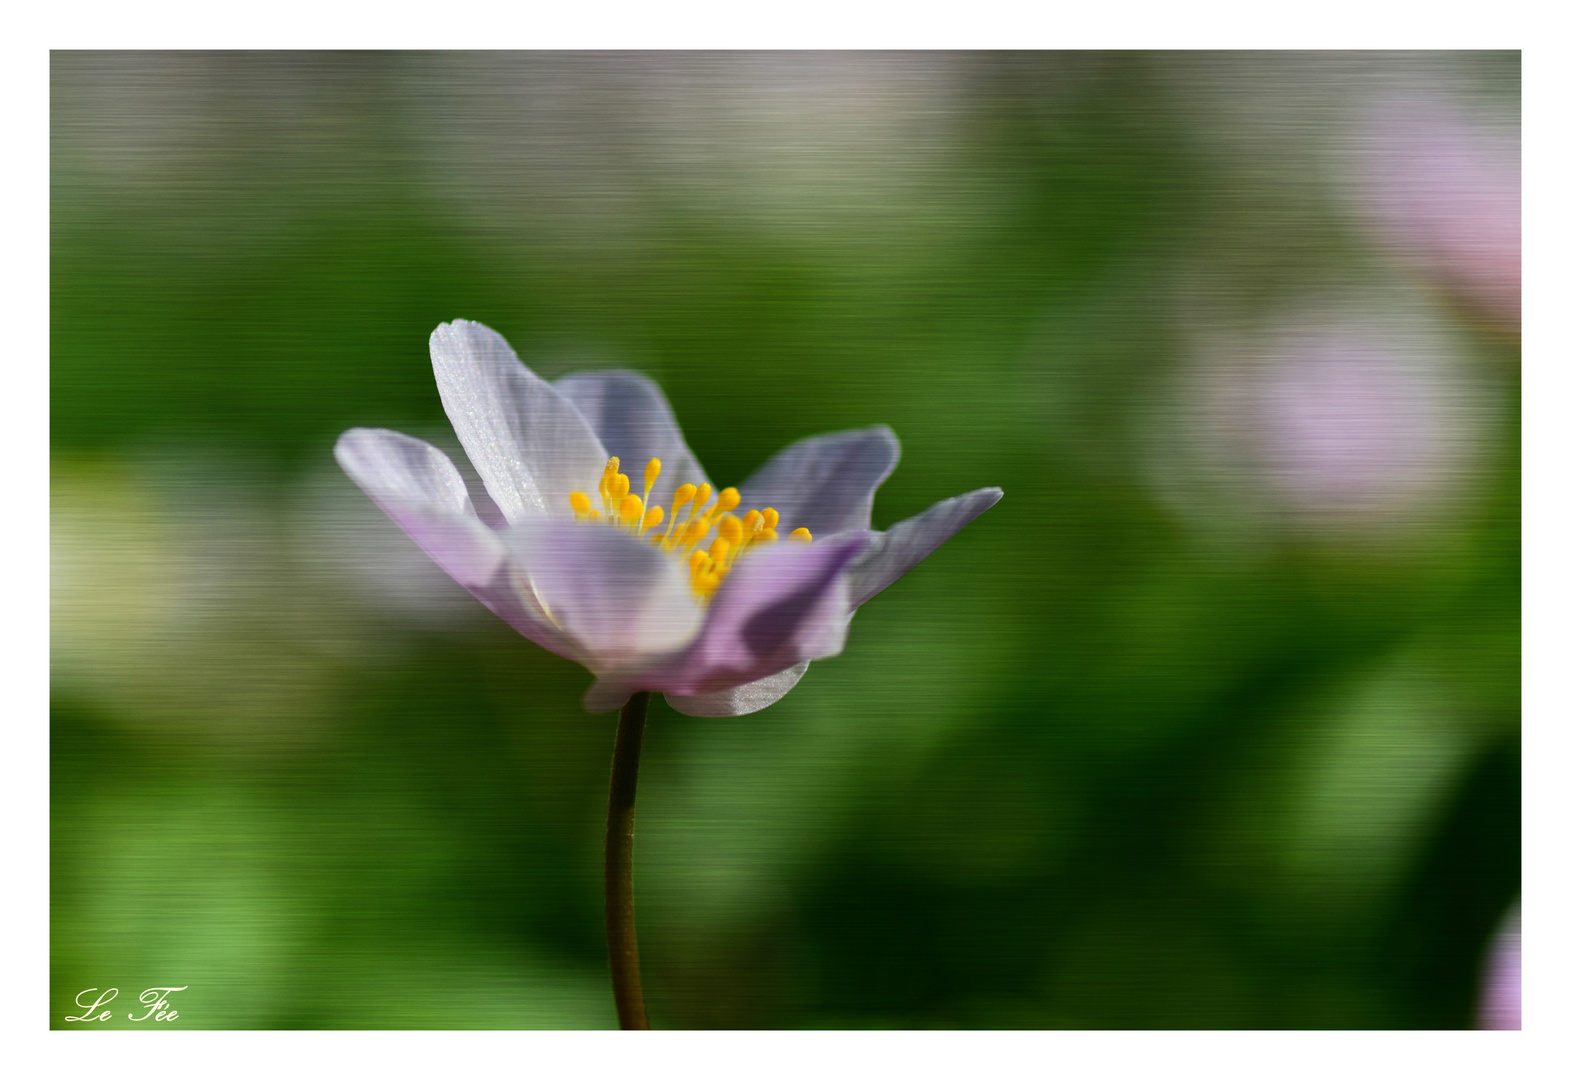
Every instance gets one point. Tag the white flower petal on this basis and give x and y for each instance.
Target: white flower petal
(825, 484)
(419, 488)
(740, 700)
(632, 419)
(528, 442)
(620, 599)
(910, 541)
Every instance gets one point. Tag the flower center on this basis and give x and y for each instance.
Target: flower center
(684, 537)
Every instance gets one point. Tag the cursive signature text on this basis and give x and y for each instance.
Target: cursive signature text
(156, 1000)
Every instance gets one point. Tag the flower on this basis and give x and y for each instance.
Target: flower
(715, 609)
(1446, 191)
(1344, 419)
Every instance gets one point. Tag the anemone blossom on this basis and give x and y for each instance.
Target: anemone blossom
(652, 579)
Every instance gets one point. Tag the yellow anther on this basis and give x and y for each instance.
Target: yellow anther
(706, 574)
(707, 570)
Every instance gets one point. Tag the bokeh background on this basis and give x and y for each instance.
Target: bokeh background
(1213, 721)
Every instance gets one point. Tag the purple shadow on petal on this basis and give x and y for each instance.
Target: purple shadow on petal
(780, 606)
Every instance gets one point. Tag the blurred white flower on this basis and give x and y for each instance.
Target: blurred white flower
(174, 607)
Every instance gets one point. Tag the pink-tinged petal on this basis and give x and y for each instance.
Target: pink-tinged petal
(622, 601)
(781, 605)
(1501, 1007)
(419, 488)
(632, 419)
(825, 484)
(740, 700)
(908, 542)
(528, 443)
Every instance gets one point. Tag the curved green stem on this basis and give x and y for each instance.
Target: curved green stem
(620, 930)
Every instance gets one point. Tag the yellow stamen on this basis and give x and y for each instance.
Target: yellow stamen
(696, 531)
(707, 570)
(607, 474)
(681, 498)
(651, 474)
(696, 525)
(631, 509)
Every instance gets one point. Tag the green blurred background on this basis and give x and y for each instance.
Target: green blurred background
(1212, 722)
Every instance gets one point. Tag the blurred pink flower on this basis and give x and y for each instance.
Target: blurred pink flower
(1448, 194)
(1356, 419)
(644, 601)
(1501, 1007)
(1347, 425)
